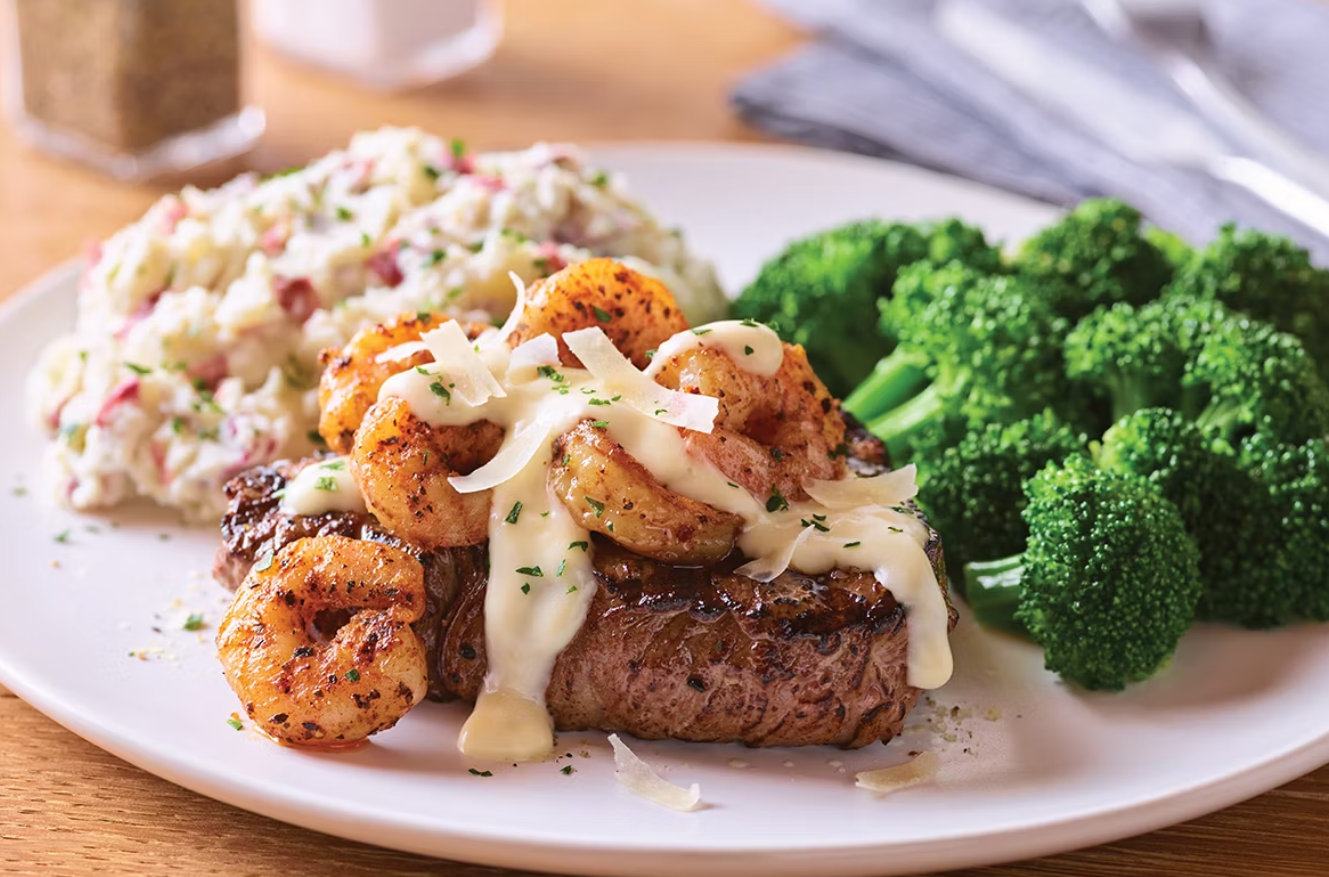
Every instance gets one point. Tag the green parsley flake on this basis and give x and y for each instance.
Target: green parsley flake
(596, 505)
(599, 424)
(62, 537)
(472, 771)
(335, 465)
(567, 770)
(441, 391)
(562, 565)
(434, 258)
(572, 589)
(138, 369)
(602, 315)
(317, 439)
(352, 675)
(326, 482)
(599, 401)
(432, 172)
(515, 513)
(600, 179)
(530, 571)
(749, 322)
(235, 723)
(365, 240)
(526, 588)
(582, 545)
(700, 331)
(194, 621)
(747, 350)
(548, 371)
(344, 214)
(816, 525)
(777, 502)
(852, 544)
(177, 425)
(458, 147)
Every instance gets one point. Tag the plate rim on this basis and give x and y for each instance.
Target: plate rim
(1045, 837)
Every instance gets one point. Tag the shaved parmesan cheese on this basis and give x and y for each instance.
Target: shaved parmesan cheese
(890, 489)
(455, 356)
(517, 450)
(892, 779)
(638, 776)
(529, 356)
(401, 351)
(510, 324)
(609, 366)
(768, 566)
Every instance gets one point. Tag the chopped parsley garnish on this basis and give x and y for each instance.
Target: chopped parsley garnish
(816, 525)
(458, 147)
(326, 482)
(335, 465)
(596, 506)
(365, 240)
(548, 371)
(599, 401)
(700, 331)
(515, 513)
(472, 771)
(526, 588)
(441, 391)
(852, 544)
(572, 589)
(599, 424)
(177, 425)
(531, 571)
(562, 565)
(610, 526)
(777, 502)
(422, 370)
(747, 350)
(650, 354)
(777, 454)
(567, 458)
(235, 723)
(194, 621)
(344, 214)
(544, 514)
(426, 318)
(582, 545)
(62, 537)
(264, 563)
(352, 675)
(749, 322)
(818, 517)
(138, 369)
(20, 491)
(432, 172)
(895, 529)
(588, 391)
(660, 411)
(567, 770)
(732, 484)
(434, 258)
(600, 179)
(602, 315)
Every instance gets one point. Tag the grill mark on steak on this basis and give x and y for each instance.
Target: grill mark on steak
(690, 653)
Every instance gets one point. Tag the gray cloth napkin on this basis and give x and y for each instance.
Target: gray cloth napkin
(880, 80)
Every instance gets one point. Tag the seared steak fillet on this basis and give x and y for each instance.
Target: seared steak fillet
(666, 651)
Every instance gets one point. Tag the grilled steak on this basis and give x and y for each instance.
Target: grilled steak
(666, 651)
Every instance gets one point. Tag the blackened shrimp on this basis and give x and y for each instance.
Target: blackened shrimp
(637, 312)
(353, 375)
(310, 689)
(402, 465)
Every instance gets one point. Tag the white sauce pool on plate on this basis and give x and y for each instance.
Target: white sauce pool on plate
(541, 577)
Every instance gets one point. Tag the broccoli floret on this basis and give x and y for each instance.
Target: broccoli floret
(1268, 277)
(973, 492)
(1173, 247)
(950, 240)
(972, 345)
(1096, 256)
(1227, 511)
(1108, 579)
(822, 292)
(1131, 355)
(1297, 481)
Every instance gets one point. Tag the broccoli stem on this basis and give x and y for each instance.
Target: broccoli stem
(992, 589)
(897, 425)
(893, 380)
(1129, 394)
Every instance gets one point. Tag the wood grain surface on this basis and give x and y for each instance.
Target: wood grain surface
(588, 70)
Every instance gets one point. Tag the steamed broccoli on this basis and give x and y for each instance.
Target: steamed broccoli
(1107, 582)
(822, 291)
(1131, 355)
(1268, 277)
(972, 345)
(1228, 511)
(974, 491)
(1095, 256)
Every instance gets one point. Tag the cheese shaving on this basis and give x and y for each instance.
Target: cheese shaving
(767, 568)
(518, 309)
(401, 351)
(608, 365)
(530, 355)
(517, 450)
(638, 777)
(889, 489)
(888, 780)
(455, 356)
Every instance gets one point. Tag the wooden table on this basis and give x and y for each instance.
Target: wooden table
(588, 70)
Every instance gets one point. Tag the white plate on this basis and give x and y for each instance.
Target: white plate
(1052, 769)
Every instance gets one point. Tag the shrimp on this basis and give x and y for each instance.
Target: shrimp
(608, 491)
(308, 690)
(637, 312)
(772, 433)
(353, 375)
(402, 465)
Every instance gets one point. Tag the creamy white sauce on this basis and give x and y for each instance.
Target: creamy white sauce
(323, 487)
(541, 579)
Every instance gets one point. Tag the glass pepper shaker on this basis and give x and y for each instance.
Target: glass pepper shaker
(136, 88)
